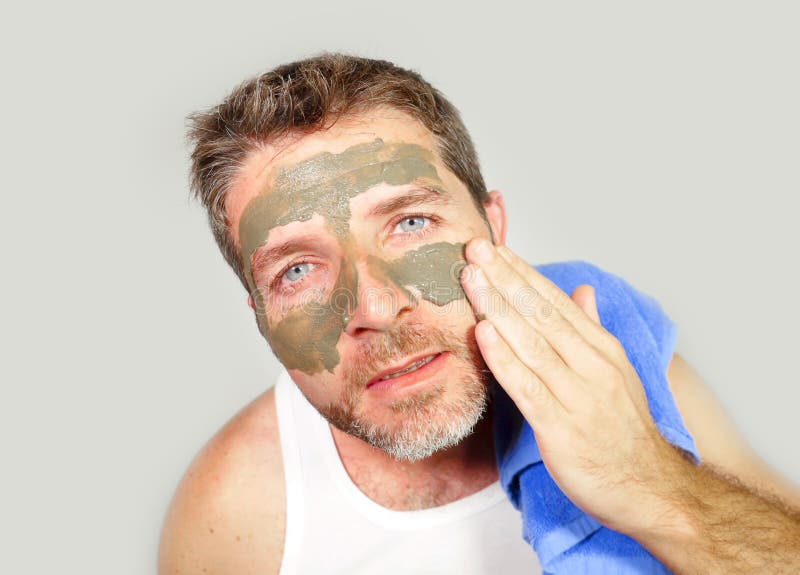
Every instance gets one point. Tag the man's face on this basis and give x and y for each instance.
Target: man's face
(352, 241)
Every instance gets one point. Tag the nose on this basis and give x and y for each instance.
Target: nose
(380, 302)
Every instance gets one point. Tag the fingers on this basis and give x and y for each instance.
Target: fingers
(506, 296)
(526, 390)
(590, 328)
(530, 347)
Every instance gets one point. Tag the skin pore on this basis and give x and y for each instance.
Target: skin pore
(326, 329)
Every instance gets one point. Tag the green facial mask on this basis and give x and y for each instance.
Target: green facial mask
(306, 337)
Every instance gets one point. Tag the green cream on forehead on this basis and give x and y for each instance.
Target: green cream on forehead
(325, 184)
(306, 337)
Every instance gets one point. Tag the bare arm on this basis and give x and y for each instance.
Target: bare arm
(738, 515)
(724, 527)
(716, 436)
(575, 385)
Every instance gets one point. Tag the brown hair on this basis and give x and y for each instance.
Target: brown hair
(301, 97)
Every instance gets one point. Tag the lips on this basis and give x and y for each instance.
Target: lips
(406, 367)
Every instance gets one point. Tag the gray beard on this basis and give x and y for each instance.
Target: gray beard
(426, 422)
(429, 423)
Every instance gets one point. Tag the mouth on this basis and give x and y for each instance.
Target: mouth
(407, 367)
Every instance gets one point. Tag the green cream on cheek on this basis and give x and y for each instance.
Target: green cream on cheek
(433, 270)
(306, 337)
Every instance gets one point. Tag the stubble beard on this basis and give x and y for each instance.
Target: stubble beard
(426, 422)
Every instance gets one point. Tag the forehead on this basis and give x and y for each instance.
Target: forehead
(262, 167)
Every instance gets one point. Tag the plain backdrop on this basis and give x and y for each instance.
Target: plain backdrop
(658, 141)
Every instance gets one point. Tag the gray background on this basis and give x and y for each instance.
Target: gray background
(659, 142)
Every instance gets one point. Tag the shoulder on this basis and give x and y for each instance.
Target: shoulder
(228, 512)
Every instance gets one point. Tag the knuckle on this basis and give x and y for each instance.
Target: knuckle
(595, 359)
(564, 330)
(559, 297)
(619, 355)
(611, 377)
(526, 301)
(534, 390)
(547, 311)
(537, 347)
(494, 302)
(615, 380)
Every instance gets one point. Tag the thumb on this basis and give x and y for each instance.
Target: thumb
(584, 296)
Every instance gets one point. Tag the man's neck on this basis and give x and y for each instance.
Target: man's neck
(445, 476)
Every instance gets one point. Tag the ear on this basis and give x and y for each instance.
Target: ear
(496, 214)
(251, 303)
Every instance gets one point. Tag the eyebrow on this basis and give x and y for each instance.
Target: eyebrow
(267, 256)
(413, 198)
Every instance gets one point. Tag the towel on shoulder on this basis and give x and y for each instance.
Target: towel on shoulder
(567, 540)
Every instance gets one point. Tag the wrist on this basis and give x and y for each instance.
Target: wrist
(669, 520)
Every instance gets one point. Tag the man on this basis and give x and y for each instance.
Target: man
(346, 195)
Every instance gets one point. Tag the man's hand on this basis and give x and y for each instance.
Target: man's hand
(574, 384)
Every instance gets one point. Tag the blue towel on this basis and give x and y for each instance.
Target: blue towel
(567, 540)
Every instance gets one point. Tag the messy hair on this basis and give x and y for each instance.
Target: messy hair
(301, 97)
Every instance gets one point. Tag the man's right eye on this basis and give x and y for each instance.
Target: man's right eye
(297, 271)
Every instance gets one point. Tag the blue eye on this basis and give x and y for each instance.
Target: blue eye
(413, 223)
(297, 271)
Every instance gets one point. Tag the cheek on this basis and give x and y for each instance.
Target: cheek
(306, 338)
(319, 389)
(433, 270)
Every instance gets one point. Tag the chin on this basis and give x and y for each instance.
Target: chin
(417, 426)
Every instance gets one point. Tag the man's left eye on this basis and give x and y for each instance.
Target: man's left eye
(413, 223)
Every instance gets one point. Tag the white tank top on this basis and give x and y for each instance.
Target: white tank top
(333, 528)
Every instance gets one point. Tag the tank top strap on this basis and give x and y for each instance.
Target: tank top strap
(292, 473)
